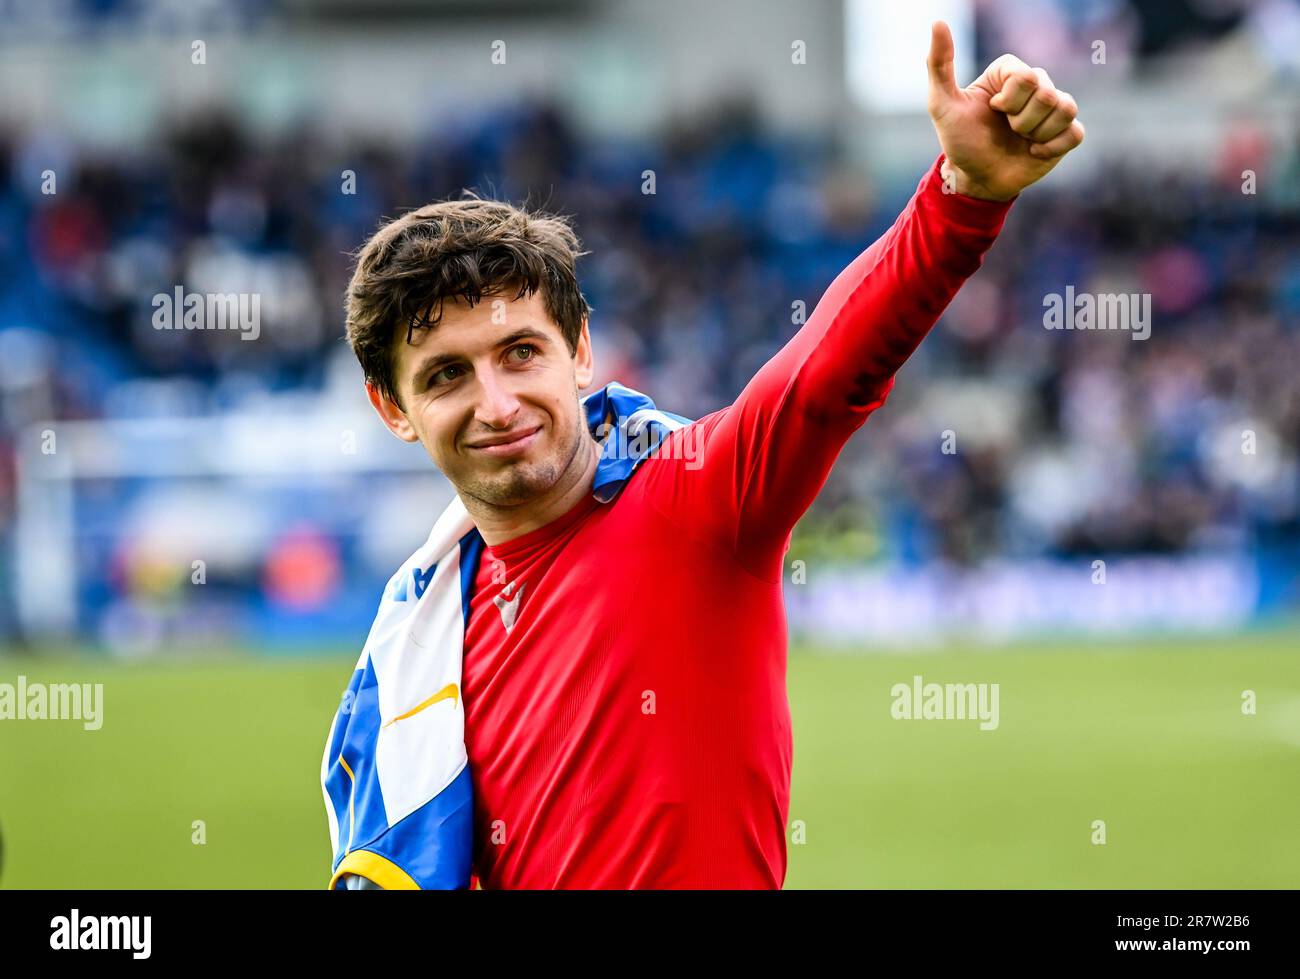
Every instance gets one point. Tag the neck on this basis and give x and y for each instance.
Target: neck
(498, 525)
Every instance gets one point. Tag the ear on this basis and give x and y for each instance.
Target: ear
(391, 414)
(584, 365)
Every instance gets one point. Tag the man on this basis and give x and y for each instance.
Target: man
(596, 697)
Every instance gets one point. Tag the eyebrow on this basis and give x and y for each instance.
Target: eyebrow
(441, 360)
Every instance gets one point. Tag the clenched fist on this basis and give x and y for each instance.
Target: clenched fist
(1002, 132)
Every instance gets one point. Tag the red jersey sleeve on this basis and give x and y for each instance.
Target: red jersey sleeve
(759, 463)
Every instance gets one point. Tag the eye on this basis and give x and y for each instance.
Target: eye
(445, 375)
(527, 349)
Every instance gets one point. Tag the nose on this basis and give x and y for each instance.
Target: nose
(497, 404)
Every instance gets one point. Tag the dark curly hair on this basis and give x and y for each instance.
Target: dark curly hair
(468, 248)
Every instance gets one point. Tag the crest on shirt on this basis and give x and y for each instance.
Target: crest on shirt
(507, 604)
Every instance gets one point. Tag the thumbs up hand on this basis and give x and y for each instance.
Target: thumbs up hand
(1004, 131)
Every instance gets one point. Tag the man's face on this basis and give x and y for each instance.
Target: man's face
(491, 392)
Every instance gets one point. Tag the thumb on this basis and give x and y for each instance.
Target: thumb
(943, 80)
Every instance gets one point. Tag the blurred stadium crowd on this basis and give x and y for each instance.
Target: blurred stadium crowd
(1064, 33)
(1068, 443)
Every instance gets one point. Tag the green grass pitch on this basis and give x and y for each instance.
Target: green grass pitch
(1147, 736)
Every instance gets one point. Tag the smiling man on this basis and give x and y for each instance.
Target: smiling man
(579, 681)
(491, 392)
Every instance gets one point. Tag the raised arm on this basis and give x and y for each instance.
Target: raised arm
(764, 459)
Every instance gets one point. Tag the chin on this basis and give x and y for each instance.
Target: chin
(522, 480)
(517, 485)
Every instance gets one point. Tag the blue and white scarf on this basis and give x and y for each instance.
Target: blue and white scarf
(395, 772)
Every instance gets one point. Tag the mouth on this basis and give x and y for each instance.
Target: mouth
(509, 445)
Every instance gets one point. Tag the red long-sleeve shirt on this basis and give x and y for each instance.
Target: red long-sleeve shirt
(632, 728)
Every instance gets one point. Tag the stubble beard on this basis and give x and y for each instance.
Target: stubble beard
(523, 481)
